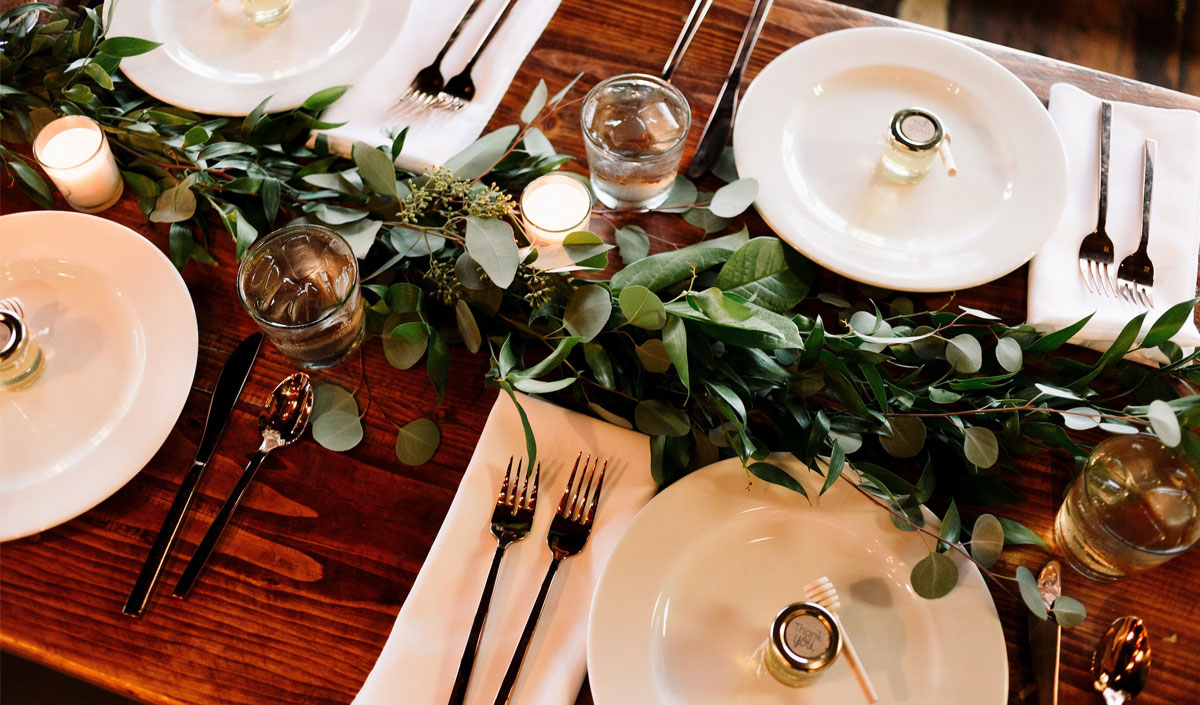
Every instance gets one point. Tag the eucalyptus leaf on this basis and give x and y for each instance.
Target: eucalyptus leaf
(490, 243)
(653, 356)
(468, 329)
(906, 439)
(1009, 354)
(1069, 612)
(338, 431)
(681, 197)
(934, 576)
(417, 441)
(360, 235)
(376, 168)
(776, 476)
(980, 446)
(174, 205)
(402, 350)
(537, 101)
(1056, 392)
(588, 312)
(987, 540)
(331, 397)
(706, 220)
(658, 418)
(642, 308)
(1081, 418)
(1164, 422)
(658, 271)
(675, 342)
(633, 242)
(609, 416)
(600, 363)
(1030, 595)
(732, 199)
(725, 168)
(479, 157)
(538, 386)
(964, 353)
(979, 314)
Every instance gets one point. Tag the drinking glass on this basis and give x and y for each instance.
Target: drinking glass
(300, 284)
(1135, 505)
(634, 127)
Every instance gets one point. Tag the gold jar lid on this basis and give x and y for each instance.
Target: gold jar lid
(917, 129)
(15, 336)
(805, 637)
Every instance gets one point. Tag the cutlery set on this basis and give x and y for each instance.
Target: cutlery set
(1134, 279)
(283, 419)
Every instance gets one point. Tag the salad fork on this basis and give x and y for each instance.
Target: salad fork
(1096, 250)
(569, 531)
(426, 87)
(511, 520)
(460, 89)
(1135, 276)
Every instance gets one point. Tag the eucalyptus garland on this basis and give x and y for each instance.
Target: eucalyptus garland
(719, 349)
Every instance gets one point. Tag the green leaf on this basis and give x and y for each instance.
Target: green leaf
(964, 354)
(634, 243)
(987, 540)
(417, 441)
(537, 101)
(1164, 422)
(675, 340)
(565, 89)
(468, 329)
(537, 386)
(768, 273)
(600, 364)
(1017, 534)
(934, 576)
(31, 182)
(479, 157)
(1056, 392)
(181, 245)
(642, 308)
(404, 298)
(338, 431)
(490, 243)
(79, 93)
(324, 98)
(196, 135)
(398, 143)
(530, 439)
(731, 199)
(1120, 345)
(980, 446)
(1169, 323)
(123, 47)
(837, 462)
(706, 220)
(1052, 341)
(175, 204)
(437, 363)
(1030, 593)
(665, 268)
(552, 361)
(586, 249)
(951, 524)
(653, 356)
(776, 476)
(1081, 418)
(376, 168)
(360, 235)
(1069, 612)
(1009, 355)
(404, 349)
(609, 416)
(812, 346)
(588, 312)
(332, 397)
(658, 418)
(99, 75)
(682, 195)
(725, 168)
(907, 437)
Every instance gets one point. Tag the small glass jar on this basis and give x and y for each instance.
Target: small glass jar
(805, 641)
(911, 144)
(21, 360)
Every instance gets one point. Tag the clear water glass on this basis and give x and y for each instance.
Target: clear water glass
(1135, 505)
(634, 128)
(300, 284)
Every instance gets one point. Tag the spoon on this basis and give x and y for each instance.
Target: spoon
(1121, 661)
(283, 418)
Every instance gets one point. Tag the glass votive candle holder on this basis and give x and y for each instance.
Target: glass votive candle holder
(74, 153)
(1135, 505)
(300, 285)
(634, 127)
(554, 206)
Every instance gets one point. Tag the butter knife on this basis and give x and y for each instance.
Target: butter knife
(225, 395)
(1045, 636)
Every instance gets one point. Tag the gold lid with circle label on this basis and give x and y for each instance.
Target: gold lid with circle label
(917, 129)
(805, 640)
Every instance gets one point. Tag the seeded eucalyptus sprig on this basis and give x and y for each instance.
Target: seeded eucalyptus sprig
(719, 349)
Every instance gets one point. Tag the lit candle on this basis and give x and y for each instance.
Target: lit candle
(554, 206)
(75, 155)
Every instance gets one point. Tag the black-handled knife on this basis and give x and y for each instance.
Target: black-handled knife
(1045, 636)
(225, 395)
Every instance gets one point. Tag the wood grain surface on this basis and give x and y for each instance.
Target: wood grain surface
(301, 595)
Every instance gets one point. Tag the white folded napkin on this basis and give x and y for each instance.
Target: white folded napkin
(434, 135)
(420, 659)
(1057, 296)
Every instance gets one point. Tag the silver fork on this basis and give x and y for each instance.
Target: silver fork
(426, 87)
(511, 520)
(460, 89)
(1135, 276)
(569, 531)
(1096, 250)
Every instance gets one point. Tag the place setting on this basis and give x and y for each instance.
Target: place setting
(645, 444)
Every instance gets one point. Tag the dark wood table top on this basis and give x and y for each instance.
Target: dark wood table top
(302, 593)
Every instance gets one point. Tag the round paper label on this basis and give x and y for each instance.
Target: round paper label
(807, 636)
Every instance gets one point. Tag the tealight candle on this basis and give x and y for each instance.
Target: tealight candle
(554, 206)
(75, 155)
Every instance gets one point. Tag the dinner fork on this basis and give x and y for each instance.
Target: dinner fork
(569, 531)
(511, 520)
(460, 89)
(1096, 250)
(1135, 276)
(426, 87)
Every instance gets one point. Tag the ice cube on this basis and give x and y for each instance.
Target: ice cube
(306, 305)
(1172, 507)
(661, 124)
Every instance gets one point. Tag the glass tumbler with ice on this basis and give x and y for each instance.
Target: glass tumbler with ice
(635, 126)
(300, 284)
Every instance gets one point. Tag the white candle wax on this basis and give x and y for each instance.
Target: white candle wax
(75, 155)
(554, 206)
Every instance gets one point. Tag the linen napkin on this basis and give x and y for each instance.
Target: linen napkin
(420, 659)
(436, 135)
(1057, 296)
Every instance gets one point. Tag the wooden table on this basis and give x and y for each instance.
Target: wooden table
(300, 598)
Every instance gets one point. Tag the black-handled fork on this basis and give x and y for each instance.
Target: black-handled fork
(1135, 276)
(569, 531)
(460, 89)
(511, 521)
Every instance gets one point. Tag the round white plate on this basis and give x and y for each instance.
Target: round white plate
(692, 587)
(810, 129)
(213, 60)
(118, 331)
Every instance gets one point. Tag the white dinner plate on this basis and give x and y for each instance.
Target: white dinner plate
(691, 589)
(213, 60)
(118, 331)
(810, 129)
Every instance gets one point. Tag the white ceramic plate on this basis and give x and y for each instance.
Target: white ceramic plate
(691, 589)
(810, 129)
(118, 331)
(214, 61)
